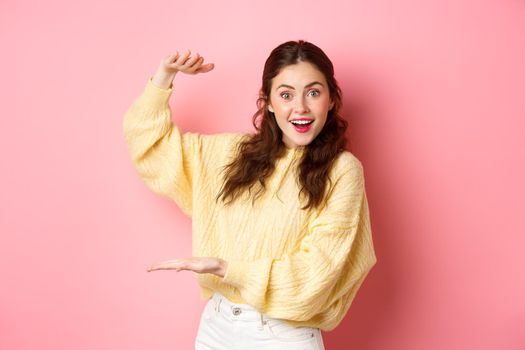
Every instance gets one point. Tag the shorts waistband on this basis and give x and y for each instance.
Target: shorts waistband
(236, 311)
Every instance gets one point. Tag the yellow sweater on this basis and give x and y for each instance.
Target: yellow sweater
(304, 266)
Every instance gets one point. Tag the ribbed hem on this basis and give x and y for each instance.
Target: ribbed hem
(156, 96)
(234, 274)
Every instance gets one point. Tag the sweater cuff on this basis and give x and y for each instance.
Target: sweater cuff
(154, 95)
(234, 274)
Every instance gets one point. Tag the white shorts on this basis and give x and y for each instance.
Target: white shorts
(229, 326)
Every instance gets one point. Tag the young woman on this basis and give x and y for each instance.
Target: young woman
(281, 236)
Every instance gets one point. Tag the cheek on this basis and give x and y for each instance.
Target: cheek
(325, 104)
(282, 109)
(282, 122)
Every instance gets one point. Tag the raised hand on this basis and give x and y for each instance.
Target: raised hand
(172, 64)
(185, 63)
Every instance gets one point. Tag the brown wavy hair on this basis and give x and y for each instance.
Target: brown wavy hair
(257, 154)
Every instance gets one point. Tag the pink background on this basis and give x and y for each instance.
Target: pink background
(435, 95)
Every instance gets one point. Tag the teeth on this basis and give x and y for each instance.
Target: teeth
(302, 122)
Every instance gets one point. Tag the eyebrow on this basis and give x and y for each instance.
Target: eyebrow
(306, 86)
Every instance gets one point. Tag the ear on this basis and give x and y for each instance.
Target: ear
(270, 108)
(331, 105)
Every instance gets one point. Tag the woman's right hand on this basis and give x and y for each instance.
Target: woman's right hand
(185, 63)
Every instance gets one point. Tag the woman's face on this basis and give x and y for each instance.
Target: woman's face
(300, 100)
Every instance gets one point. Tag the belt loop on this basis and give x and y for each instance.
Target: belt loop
(213, 303)
(261, 325)
(263, 321)
(218, 309)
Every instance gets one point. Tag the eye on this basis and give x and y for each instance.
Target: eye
(314, 93)
(285, 95)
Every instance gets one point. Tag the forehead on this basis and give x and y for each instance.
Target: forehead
(299, 75)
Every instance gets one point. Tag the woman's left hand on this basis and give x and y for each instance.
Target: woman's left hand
(215, 266)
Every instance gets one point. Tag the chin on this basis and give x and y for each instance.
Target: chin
(300, 143)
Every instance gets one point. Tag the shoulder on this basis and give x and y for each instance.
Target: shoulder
(224, 140)
(219, 148)
(347, 164)
(347, 175)
(346, 186)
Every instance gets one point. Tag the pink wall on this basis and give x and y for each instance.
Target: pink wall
(435, 94)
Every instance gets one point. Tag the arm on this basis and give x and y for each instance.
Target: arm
(164, 158)
(332, 261)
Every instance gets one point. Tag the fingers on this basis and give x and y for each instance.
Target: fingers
(172, 58)
(183, 58)
(188, 63)
(156, 268)
(167, 265)
(205, 68)
(163, 267)
(195, 65)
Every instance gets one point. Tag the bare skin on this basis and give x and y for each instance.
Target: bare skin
(163, 78)
(174, 63)
(211, 265)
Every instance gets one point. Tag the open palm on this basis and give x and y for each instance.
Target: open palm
(195, 264)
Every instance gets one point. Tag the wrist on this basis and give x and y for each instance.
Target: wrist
(163, 80)
(223, 265)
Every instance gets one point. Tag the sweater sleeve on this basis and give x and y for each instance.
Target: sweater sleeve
(165, 158)
(331, 263)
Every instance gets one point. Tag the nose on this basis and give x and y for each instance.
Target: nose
(301, 105)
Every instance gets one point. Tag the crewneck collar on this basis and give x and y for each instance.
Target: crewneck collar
(299, 150)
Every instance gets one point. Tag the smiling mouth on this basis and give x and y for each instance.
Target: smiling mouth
(301, 123)
(302, 126)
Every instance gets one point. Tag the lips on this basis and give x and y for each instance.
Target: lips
(307, 119)
(302, 121)
(302, 125)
